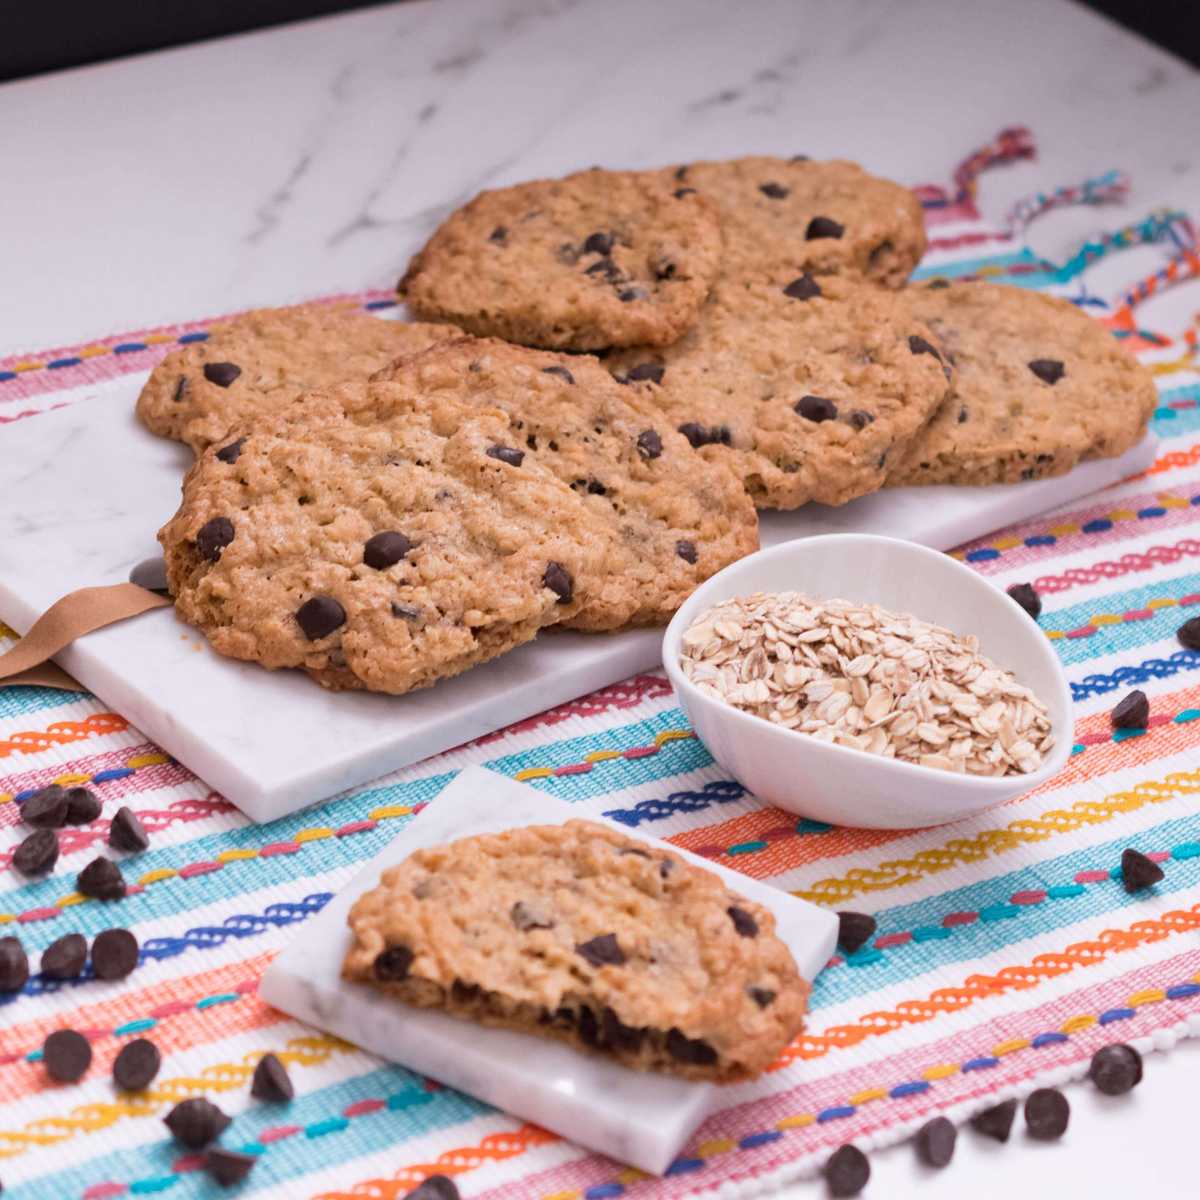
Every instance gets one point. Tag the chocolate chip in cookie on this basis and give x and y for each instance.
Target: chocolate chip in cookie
(320, 616)
(386, 549)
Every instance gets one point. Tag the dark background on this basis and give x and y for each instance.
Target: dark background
(45, 35)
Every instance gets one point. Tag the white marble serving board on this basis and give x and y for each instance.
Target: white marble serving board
(635, 1117)
(83, 490)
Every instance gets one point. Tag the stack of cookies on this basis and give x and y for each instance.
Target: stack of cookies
(612, 372)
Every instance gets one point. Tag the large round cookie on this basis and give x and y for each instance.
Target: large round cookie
(782, 216)
(600, 258)
(384, 545)
(260, 361)
(805, 389)
(673, 518)
(1039, 386)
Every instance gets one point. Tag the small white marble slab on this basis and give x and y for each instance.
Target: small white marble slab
(632, 1116)
(83, 490)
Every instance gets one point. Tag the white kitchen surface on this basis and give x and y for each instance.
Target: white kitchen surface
(310, 159)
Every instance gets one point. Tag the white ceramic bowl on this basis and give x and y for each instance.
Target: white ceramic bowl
(832, 783)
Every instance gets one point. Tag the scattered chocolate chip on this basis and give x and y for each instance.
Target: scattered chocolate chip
(320, 616)
(232, 452)
(14, 965)
(679, 193)
(1189, 634)
(846, 1171)
(181, 389)
(221, 373)
(561, 372)
(101, 879)
(406, 612)
(601, 951)
(126, 832)
(619, 1035)
(860, 418)
(935, 1142)
(823, 227)
(67, 1055)
(805, 287)
(761, 996)
(392, 964)
(506, 454)
(436, 1187)
(633, 293)
(499, 235)
(684, 1049)
(718, 435)
(83, 806)
(1116, 1069)
(854, 930)
(65, 958)
(598, 243)
(686, 550)
(918, 345)
(651, 371)
(816, 408)
(774, 191)
(151, 574)
(196, 1122)
(228, 1167)
(46, 809)
(1047, 1114)
(1025, 595)
(114, 953)
(1048, 370)
(743, 921)
(385, 549)
(525, 917)
(558, 579)
(271, 1080)
(1138, 871)
(37, 854)
(996, 1122)
(1133, 712)
(649, 444)
(213, 537)
(136, 1065)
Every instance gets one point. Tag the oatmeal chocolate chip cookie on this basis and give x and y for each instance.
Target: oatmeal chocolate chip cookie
(673, 518)
(806, 388)
(783, 216)
(261, 361)
(598, 259)
(1039, 387)
(382, 546)
(580, 933)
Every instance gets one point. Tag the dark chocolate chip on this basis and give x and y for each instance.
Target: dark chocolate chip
(436, 1187)
(271, 1081)
(526, 917)
(406, 612)
(558, 579)
(46, 808)
(320, 616)
(151, 574)
(67, 1055)
(935, 1142)
(761, 996)
(698, 435)
(1138, 871)
(598, 243)
(664, 268)
(823, 227)
(918, 345)
(465, 993)
(1047, 1114)
(83, 806)
(499, 235)
(221, 373)
(649, 444)
(854, 930)
(681, 171)
(1048, 370)
(101, 879)
(816, 408)
(679, 193)
(196, 1122)
(392, 964)
(114, 953)
(561, 372)
(601, 951)
(65, 958)
(213, 537)
(619, 1035)
(937, 284)
(1133, 712)
(996, 1122)
(605, 267)
(1025, 595)
(181, 389)
(589, 1027)
(800, 158)
(1189, 634)
(743, 921)
(14, 965)
(37, 854)
(846, 1171)
(962, 415)
(126, 832)
(385, 549)
(136, 1065)
(684, 1049)
(860, 418)
(232, 452)
(686, 550)
(506, 454)
(651, 371)
(634, 851)
(804, 287)
(229, 1167)
(1116, 1069)
(633, 293)
(596, 488)
(775, 191)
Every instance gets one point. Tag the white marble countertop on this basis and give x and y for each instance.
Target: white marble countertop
(313, 158)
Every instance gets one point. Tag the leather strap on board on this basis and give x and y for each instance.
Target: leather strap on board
(71, 617)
